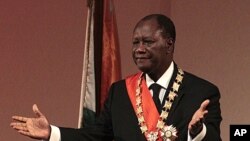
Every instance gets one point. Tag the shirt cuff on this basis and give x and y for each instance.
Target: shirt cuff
(55, 134)
(200, 136)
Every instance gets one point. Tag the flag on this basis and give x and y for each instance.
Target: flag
(111, 70)
(101, 62)
(87, 97)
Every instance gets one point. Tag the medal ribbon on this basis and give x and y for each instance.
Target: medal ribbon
(150, 112)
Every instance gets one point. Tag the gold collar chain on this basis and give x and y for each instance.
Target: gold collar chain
(168, 133)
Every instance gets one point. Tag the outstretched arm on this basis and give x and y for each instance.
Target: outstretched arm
(36, 128)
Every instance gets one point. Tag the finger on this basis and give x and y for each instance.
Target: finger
(193, 121)
(26, 133)
(196, 124)
(17, 124)
(20, 127)
(37, 111)
(204, 113)
(204, 105)
(19, 118)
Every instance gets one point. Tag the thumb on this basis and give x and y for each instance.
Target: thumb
(204, 105)
(36, 111)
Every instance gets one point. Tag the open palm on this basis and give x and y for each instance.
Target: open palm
(37, 128)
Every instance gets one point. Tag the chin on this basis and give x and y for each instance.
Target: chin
(144, 69)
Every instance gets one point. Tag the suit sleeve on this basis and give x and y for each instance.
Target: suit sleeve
(213, 118)
(101, 130)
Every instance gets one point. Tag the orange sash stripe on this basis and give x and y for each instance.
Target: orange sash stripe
(150, 112)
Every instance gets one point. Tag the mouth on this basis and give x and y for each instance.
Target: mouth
(141, 59)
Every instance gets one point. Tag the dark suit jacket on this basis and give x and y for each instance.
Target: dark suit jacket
(118, 120)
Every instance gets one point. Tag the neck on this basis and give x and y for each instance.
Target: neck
(158, 73)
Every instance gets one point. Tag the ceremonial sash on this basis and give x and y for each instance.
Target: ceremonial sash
(150, 112)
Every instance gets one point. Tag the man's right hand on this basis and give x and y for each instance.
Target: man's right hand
(36, 128)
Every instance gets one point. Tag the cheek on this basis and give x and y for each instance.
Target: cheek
(133, 55)
(133, 52)
(158, 57)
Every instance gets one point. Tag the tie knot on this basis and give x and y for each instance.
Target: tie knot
(156, 89)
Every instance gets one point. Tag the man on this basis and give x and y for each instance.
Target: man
(184, 108)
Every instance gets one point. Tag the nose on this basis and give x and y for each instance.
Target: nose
(140, 48)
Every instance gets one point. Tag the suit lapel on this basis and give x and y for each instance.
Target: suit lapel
(179, 94)
(175, 104)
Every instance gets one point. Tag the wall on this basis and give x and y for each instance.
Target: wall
(213, 42)
(41, 51)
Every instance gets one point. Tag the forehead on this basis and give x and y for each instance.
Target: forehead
(147, 28)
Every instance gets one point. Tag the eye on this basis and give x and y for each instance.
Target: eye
(135, 42)
(148, 42)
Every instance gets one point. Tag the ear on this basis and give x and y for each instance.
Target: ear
(170, 45)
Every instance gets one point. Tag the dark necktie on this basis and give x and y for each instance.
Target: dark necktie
(156, 91)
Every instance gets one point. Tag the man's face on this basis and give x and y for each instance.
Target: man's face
(150, 49)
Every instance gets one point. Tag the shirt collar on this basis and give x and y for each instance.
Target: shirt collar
(164, 79)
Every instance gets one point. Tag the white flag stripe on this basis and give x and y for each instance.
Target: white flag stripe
(87, 98)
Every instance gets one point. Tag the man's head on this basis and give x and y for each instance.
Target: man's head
(164, 23)
(153, 44)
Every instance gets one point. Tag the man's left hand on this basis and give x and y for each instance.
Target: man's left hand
(196, 124)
